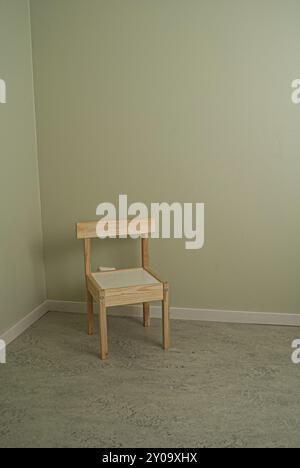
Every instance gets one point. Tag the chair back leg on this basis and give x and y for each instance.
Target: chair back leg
(90, 313)
(146, 314)
(166, 318)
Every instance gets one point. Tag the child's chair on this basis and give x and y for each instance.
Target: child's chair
(122, 287)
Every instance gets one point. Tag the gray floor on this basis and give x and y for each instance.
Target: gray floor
(220, 385)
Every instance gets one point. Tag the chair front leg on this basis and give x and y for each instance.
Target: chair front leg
(103, 330)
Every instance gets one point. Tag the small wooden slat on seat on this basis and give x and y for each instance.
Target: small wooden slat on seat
(114, 228)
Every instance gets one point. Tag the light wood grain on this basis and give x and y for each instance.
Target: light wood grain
(87, 256)
(134, 294)
(93, 288)
(146, 314)
(166, 317)
(90, 313)
(145, 263)
(115, 228)
(128, 286)
(89, 296)
(103, 331)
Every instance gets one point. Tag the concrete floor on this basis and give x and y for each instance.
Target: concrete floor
(219, 386)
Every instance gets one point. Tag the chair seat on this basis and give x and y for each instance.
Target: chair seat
(122, 287)
(124, 278)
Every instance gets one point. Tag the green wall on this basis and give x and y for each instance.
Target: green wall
(22, 280)
(174, 100)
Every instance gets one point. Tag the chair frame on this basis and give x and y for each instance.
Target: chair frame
(146, 293)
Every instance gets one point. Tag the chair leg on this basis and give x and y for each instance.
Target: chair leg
(166, 318)
(103, 331)
(90, 313)
(146, 314)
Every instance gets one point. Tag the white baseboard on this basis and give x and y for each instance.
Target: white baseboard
(183, 313)
(10, 335)
(179, 313)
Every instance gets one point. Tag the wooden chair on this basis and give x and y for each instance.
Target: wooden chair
(122, 287)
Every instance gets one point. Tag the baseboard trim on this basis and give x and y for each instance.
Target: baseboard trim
(16, 330)
(178, 313)
(183, 313)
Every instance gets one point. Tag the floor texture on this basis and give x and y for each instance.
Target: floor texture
(218, 386)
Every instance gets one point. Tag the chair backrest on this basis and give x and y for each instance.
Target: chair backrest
(115, 228)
